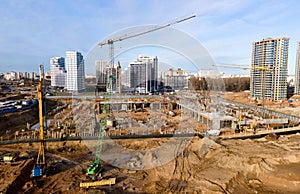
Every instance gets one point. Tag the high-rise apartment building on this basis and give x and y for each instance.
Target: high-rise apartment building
(75, 71)
(269, 68)
(101, 72)
(58, 72)
(126, 77)
(144, 73)
(297, 72)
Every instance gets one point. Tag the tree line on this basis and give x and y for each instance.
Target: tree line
(233, 84)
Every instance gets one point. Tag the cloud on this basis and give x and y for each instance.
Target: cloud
(225, 27)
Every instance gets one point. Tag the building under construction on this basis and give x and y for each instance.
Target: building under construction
(269, 68)
(297, 71)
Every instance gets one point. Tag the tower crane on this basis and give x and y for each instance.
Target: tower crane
(110, 42)
(93, 171)
(37, 170)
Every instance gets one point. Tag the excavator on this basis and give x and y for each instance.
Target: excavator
(93, 171)
(253, 125)
(93, 174)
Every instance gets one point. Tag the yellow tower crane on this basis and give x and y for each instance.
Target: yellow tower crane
(37, 170)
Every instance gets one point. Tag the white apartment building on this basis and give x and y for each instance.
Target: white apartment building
(75, 71)
(58, 72)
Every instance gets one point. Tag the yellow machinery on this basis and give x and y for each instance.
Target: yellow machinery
(37, 170)
(109, 181)
(253, 125)
(8, 158)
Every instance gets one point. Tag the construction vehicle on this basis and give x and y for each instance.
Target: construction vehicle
(37, 170)
(93, 174)
(8, 158)
(94, 170)
(253, 126)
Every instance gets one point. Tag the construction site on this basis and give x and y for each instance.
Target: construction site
(184, 141)
(187, 142)
(265, 165)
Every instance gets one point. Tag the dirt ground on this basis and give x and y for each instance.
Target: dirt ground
(266, 165)
(18, 120)
(174, 165)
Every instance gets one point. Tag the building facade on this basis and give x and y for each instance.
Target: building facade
(297, 71)
(143, 74)
(126, 78)
(58, 72)
(175, 78)
(101, 72)
(269, 68)
(101, 75)
(75, 71)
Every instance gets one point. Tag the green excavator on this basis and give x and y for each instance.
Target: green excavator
(94, 170)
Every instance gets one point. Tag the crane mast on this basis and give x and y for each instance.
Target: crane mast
(37, 171)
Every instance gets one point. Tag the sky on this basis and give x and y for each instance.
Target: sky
(31, 32)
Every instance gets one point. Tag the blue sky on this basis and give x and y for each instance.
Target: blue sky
(33, 31)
